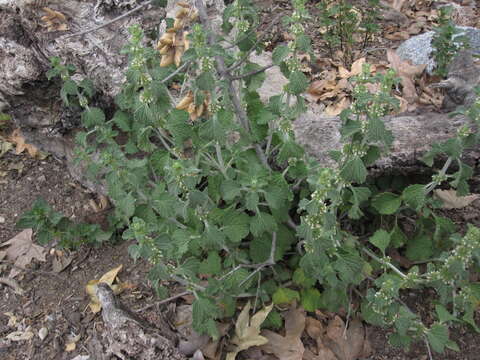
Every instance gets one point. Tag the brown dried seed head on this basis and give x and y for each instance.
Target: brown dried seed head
(168, 58)
(182, 13)
(184, 4)
(164, 50)
(178, 55)
(191, 108)
(186, 42)
(185, 102)
(178, 24)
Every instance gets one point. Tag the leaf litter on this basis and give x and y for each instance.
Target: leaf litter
(22, 251)
(247, 330)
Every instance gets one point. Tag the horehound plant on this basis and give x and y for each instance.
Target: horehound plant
(218, 196)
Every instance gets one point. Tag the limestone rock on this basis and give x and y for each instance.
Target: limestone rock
(418, 48)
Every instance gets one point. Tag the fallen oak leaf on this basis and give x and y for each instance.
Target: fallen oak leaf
(247, 331)
(109, 278)
(20, 145)
(406, 72)
(452, 201)
(290, 346)
(54, 20)
(336, 108)
(22, 250)
(346, 345)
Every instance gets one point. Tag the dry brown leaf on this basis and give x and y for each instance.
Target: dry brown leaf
(19, 335)
(20, 145)
(398, 35)
(398, 4)
(60, 261)
(71, 344)
(5, 146)
(336, 108)
(109, 277)
(316, 331)
(357, 67)
(290, 346)
(54, 20)
(452, 201)
(406, 72)
(247, 331)
(22, 250)
(346, 345)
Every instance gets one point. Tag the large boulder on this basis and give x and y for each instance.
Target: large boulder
(418, 49)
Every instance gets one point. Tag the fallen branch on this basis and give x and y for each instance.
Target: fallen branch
(127, 14)
(255, 72)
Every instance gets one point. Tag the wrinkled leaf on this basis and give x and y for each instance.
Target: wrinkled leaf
(22, 250)
(247, 330)
(290, 346)
(109, 278)
(452, 201)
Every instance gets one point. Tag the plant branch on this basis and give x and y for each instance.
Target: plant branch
(251, 73)
(181, 68)
(247, 55)
(127, 14)
(224, 73)
(164, 301)
(383, 262)
(270, 261)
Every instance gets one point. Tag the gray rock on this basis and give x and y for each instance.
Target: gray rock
(413, 136)
(418, 48)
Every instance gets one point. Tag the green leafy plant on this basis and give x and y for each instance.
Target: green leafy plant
(52, 226)
(218, 196)
(446, 41)
(342, 23)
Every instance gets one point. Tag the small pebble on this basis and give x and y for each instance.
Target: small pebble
(42, 333)
(2, 219)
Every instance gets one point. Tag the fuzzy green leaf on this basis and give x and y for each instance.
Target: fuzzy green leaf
(419, 248)
(177, 124)
(414, 196)
(262, 222)
(437, 336)
(285, 296)
(251, 201)
(212, 265)
(236, 227)
(310, 299)
(230, 190)
(70, 87)
(386, 203)
(279, 54)
(205, 81)
(380, 239)
(354, 171)
(300, 278)
(122, 120)
(93, 116)
(298, 83)
(443, 314)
